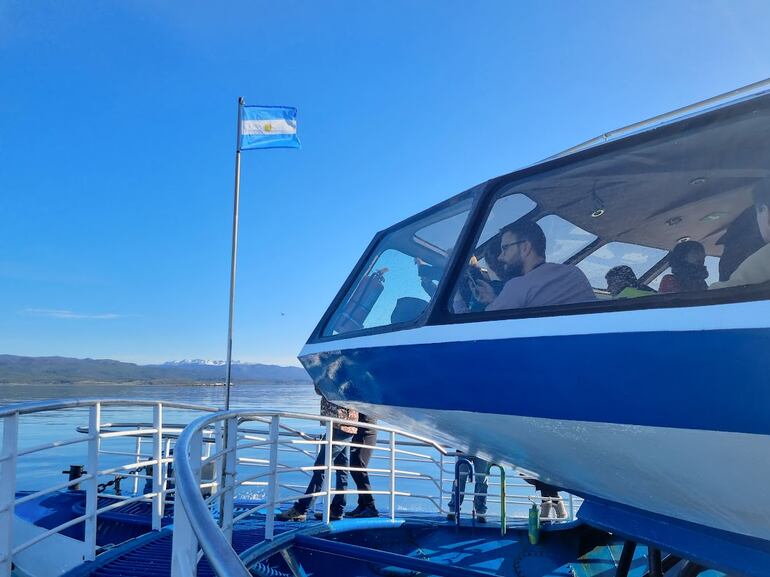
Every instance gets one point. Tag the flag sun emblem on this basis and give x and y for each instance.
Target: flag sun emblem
(268, 127)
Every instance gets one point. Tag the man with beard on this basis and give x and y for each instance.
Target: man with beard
(533, 282)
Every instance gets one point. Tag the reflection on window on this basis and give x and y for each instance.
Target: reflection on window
(598, 263)
(564, 238)
(402, 276)
(505, 210)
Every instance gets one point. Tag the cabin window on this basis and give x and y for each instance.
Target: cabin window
(671, 218)
(402, 275)
(614, 254)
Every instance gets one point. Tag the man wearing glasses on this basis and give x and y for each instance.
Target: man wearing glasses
(533, 282)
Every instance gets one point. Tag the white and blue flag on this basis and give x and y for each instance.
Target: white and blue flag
(268, 127)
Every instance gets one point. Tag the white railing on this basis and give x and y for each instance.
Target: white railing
(272, 455)
(103, 465)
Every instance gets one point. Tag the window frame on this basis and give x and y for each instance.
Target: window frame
(317, 336)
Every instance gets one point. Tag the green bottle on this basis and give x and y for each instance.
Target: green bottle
(534, 524)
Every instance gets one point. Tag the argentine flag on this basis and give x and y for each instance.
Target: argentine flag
(268, 127)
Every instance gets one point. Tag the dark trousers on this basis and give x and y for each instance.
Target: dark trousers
(359, 458)
(340, 459)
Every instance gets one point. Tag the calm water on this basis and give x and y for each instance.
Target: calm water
(43, 469)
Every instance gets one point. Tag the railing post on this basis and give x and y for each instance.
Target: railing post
(228, 483)
(184, 545)
(159, 468)
(328, 475)
(272, 479)
(392, 476)
(138, 446)
(441, 483)
(8, 491)
(92, 485)
(571, 508)
(219, 444)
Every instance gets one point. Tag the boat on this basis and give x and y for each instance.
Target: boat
(641, 402)
(654, 409)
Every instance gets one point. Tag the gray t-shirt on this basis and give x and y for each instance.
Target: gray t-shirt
(546, 284)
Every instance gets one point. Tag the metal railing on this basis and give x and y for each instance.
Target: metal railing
(101, 464)
(268, 452)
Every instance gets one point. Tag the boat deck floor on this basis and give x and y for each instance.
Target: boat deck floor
(150, 554)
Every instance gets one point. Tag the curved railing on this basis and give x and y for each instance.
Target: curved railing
(268, 452)
(126, 458)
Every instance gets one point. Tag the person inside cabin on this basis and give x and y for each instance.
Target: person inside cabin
(741, 239)
(688, 268)
(755, 269)
(340, 433)
(533, 282)
(623, 284)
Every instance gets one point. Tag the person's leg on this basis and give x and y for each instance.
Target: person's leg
(340, 455)
(359, 459)
(481, 470)
(463, 484)
(315, 485)
(548, 494)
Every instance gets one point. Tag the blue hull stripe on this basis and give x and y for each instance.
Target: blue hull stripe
(713, 380)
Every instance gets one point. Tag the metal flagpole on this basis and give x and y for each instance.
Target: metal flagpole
(234, 254)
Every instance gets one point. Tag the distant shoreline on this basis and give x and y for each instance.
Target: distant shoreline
(155, 382)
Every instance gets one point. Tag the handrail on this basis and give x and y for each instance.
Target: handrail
(660, 119)
(40, 406)
(92, 436)
(502, 496)
(203, 530)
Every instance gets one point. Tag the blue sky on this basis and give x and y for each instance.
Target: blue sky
(117, 138)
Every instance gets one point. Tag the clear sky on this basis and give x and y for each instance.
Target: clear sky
(117, 136)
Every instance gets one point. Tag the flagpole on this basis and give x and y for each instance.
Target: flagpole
(234, 254)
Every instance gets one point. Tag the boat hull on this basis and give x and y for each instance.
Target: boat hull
(675, 422)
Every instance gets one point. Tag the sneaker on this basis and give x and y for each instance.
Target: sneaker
(292, 515)
(481, 518)
(450, 516)
(332, 516)
(363, 512)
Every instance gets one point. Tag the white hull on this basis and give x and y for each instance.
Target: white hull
(719, 480)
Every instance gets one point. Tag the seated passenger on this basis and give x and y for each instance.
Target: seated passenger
(623, 284)
(740, 240)
(533, 282)
(407, 309)
(688, 269)
(756, 268)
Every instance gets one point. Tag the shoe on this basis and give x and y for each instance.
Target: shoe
(363, 512)
(292, 515)
(481, 518)
(450, 516)
(332, 516)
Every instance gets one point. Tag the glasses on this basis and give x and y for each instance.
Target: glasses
(506, 246)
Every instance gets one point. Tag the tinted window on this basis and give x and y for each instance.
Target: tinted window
(672, 213)
(402, 274)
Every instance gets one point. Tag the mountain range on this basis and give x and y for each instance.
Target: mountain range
(18, 369)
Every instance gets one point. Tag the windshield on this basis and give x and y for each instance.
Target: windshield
(402, 274)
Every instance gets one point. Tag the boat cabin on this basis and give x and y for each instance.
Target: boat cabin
(661, 219)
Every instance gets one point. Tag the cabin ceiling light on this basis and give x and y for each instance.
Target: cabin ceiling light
(699, 180)
(674, 220)
(683, 239)
(597, 213)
